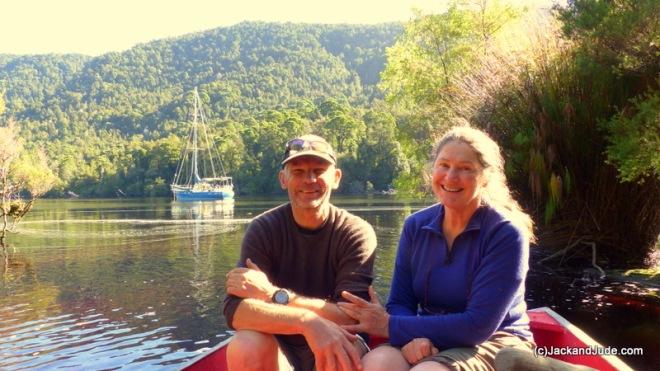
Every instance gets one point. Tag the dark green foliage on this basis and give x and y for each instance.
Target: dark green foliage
(582, 131)
(634, 137)
(377, 157)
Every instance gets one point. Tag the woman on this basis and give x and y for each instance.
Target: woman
(457, 293)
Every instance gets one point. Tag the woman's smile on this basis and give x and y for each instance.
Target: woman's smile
(447, 189)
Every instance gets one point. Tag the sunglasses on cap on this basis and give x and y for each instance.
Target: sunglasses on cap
(298, 145)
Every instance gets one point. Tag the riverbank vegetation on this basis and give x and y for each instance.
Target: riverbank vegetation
(24, 177)
(570, 93)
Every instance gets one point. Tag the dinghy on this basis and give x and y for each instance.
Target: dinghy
(551, 332)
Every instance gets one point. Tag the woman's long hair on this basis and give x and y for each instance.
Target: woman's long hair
(496, 193)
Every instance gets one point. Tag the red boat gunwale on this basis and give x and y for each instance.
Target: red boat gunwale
(549, 329)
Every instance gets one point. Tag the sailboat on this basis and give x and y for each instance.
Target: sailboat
(198, 176)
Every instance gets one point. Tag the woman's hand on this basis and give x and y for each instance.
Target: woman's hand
(417, 349)
(371, 316)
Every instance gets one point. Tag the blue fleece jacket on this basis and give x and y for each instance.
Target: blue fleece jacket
(460, 297)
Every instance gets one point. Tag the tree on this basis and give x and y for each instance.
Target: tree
(634, 137)
(425, 66)
(21, 173)
(379, 156)
(435, 49)
(340, 127)
(623, 37)
(2, 103)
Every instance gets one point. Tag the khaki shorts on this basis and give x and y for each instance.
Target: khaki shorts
(482, 356)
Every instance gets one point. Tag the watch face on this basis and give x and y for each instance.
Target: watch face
(281, 297)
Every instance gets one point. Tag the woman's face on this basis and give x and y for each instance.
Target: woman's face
(458, 177)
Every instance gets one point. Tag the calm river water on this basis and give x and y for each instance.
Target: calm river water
(138, 284)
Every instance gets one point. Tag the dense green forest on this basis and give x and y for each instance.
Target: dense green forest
(570, 93)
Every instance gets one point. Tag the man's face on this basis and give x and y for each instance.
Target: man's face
(309, 181)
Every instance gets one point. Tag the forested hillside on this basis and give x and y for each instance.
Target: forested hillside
(114, 123)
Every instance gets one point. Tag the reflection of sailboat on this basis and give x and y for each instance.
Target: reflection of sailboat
(205, 235)
(202, 210)
(196, 178)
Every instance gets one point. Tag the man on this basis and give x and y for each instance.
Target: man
(296, 259)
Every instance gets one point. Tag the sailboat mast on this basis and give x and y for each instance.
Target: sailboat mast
(209, 147)
(195, 171)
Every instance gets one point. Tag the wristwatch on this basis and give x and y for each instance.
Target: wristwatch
(280, 296)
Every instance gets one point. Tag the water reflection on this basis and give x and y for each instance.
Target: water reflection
(139, 284)
(134, 287)
(202, 210)
(203, 286)
(614, 313)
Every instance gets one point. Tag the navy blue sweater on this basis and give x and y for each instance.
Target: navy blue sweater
(460, 297)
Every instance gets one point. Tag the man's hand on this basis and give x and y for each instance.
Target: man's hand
(332, 345)
(418, 349)
(371, 316)
(249, 282)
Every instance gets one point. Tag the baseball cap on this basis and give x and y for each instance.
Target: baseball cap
(309, 145)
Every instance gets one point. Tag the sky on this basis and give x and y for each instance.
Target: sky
(94, 27)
